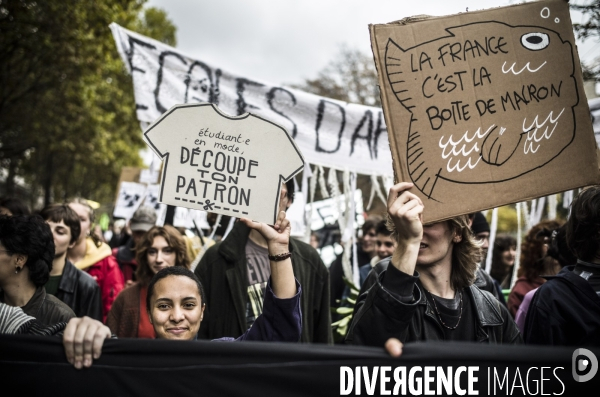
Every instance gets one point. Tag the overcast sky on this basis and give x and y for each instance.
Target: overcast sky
(285, 41)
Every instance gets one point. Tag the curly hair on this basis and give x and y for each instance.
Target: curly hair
(532, 260)
(143, 273)
(15, 206)
(466, 254)
(502, 243)
(63, 213)
(31, 236)
(583, 226)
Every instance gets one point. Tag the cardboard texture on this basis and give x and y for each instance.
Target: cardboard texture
(485, 108)
(218, 163)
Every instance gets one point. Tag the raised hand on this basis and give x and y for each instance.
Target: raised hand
(277, 236)
(406, 210)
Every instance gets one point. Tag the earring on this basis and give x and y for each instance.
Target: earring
(17, 269)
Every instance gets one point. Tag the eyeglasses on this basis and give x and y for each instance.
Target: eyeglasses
(7, 252)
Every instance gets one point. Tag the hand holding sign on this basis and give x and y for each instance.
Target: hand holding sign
(228, 165)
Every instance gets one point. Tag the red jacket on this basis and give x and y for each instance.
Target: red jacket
(103, 267)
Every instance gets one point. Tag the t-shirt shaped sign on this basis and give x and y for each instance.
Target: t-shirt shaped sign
(218, 163)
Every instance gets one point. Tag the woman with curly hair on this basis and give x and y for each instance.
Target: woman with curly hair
(26, 255)
(161, 247)
(534, 262)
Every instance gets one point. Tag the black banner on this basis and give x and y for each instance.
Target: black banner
(37, 366)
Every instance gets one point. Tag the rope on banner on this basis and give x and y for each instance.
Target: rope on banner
(375, 189)
(567, 199)
(351, 225)
(229, 226)
(310, 199)
(539, 211)
(520, 207)
(347, 222)
(530, 217)
(215, 227)
(322, 186)
(552, 202)
(492, 239)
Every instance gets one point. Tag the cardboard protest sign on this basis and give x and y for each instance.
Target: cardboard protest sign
(130, 197)
(152, 194)
(485, 108)
(228, 165)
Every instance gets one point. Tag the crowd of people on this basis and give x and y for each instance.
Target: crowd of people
(419, 282)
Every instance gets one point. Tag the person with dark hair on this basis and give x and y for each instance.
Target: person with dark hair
(565, 310)
(534, 263)
(503, 259)
(26, 254)
(427, 292)
(13, 206)
(235, 273)
(143, 219)
(74, 287)
(385, 247)
(366, 250)
(160, 247)
(558, 250)
(95, 257)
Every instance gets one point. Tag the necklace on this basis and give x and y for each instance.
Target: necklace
(440, 317)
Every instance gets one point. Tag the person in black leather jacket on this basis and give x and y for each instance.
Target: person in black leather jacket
(74, 287)
(427, 293)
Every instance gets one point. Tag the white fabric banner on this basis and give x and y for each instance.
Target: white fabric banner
(330, 133)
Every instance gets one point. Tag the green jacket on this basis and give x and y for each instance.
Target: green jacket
(223, 273)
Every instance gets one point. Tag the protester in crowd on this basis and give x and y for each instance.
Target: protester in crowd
(13, 206)
(119, 235)
(366, 249)
(95, 257)
(559, 250)
(74, 287)
(143, 219)
(385, 247)
(503, 259)
(26, 254)
(481, 230)
(427, 293)
(235, 272)
(534, 263)
(158, 248)
(566, 309)
(314, 240)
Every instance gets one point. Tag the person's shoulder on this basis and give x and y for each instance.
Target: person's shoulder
(130, 292)
(57, 308)
(84, 279)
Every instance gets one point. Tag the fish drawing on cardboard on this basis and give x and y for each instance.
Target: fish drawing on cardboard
(478, 101)
(467, 142)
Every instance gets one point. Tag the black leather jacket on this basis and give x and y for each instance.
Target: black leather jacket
(379, 316)
(80, 292)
